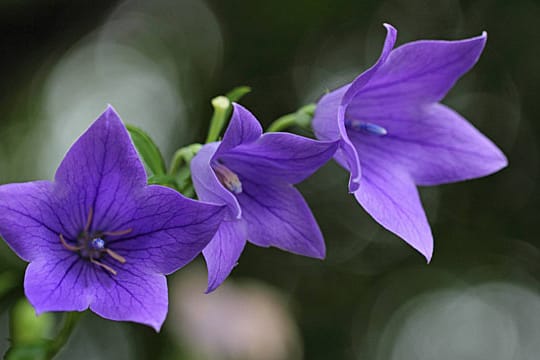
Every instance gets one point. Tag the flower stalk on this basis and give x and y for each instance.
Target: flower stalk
(221, 106)
(70, 322)
(182, 157)
(301, 118)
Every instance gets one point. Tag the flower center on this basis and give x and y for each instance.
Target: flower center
(92, 246)
(366, 127)
(228, 178)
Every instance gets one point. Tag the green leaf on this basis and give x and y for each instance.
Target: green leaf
(237, 93)
(165, 180)
(149, 152)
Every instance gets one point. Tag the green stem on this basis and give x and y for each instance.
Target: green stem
(70, 321)
(183, 157)
(282, 123)
(301, 118)
(221, 106)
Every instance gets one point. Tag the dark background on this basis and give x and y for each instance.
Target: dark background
(373, 297)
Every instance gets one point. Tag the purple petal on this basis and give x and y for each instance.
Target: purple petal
(100, 172)
(433, 143)
(168, 230)
(243, 128)
(59, 284)
(222, 253)
(277, 215)
(28, 220)
(390, 196)
(332, 109)
(132, 295)
(280, 157)
(370, 74)
(100, 190)
(69, 283)
(416, 73)
(206, 183)
(325, 121)
(326, 126)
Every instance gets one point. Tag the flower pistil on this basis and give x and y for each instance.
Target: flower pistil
(228, 178)
(366, 127)
(92, 246)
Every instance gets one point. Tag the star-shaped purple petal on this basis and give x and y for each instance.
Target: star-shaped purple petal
(253, 174)
(394, 134)
(97, 236)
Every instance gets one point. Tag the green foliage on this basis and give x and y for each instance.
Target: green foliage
(222, 111)
(148, 150)
(237, 93)
(29, 333)
(26, 327)
(301, 118)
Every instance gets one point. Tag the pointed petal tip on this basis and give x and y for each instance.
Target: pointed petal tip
(425, 249)
(241, 109)
(500, 163)
(482, 38)
(428, 257)
(215, 281)
(109, 114)
(361, 80)
(110, 110)
(156, 326)
(212, 285)
(321, 254)
(317, 250)
(243, 128)
(38, 311)
(479, 40)
(496, 162)
(390, 28)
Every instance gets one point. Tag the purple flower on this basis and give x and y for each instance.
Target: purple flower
(253, 175)
(394, 134)
(98, 237)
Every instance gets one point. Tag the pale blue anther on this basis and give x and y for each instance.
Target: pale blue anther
(97, 244)
(372, 129)
(228, 178)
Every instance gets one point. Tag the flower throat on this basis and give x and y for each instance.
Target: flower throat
(92, 246)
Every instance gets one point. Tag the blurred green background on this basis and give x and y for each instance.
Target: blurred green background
(159, 62)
